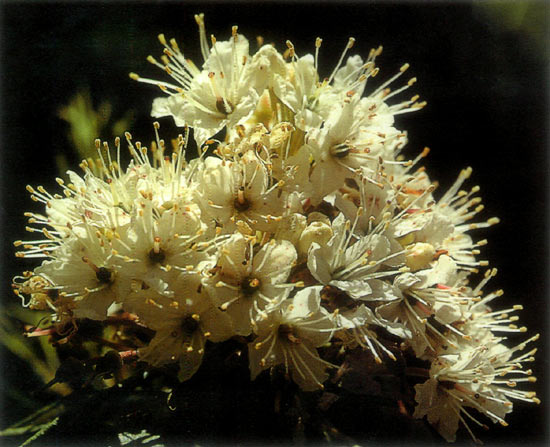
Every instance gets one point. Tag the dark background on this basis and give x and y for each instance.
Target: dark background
(485, 83)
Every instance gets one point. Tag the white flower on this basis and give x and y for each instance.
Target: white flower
(431, 228)
(480, 323)
(351, 266)
(248, 280)
(182, 323)
(303, 225)
(299, 90)
(479, 377)
(370, 191)
(358, 321)
(264, 66)
(85, 270)
(290, 337)
(430, 305)
(444, 228)
(155, 244)
(242, 190)
(219, 95)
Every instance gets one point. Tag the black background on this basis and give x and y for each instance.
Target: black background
(485, 84)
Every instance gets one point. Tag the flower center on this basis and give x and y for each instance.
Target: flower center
(241, 203)
(157, 255)
(340, 150)
(334, 299)
(104, 275)
(249, 286)
(286, 331)
(52, 293)
(448, 384)
(189, 325)
(224, 105)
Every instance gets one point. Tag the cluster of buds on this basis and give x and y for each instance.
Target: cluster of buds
(300, 227)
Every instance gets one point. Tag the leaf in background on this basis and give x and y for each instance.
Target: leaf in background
(138, 439)
(19, 345)
(41, 430)
(84, 121)
(87, 124)
(39, 422)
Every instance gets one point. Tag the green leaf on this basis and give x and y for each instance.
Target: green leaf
(138, 439)
(41, 430)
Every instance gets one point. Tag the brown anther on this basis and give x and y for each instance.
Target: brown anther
(438, 253)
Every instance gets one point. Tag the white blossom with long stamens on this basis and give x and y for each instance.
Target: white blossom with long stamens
(358, 322)
(182, 323)
(290, 336)
(349, 262)
(241, 190)
(479, 377)
(299, 224)
(219, 95)
(248, 281)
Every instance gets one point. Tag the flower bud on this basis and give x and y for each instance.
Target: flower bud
(418, 256)
(292, 227)
(318, 232)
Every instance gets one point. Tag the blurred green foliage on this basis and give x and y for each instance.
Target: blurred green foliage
(88, 123)
(524, 17)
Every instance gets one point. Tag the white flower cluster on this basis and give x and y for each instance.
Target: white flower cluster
(301, 227)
